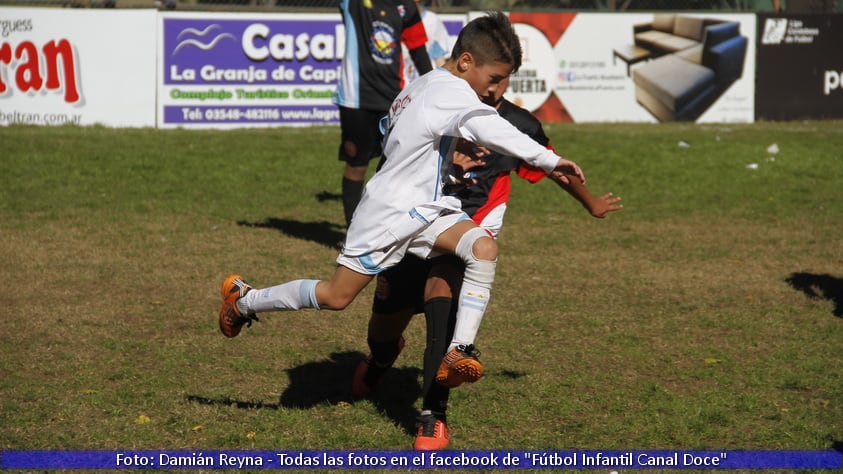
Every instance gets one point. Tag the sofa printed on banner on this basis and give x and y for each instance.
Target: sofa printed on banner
(690, 63)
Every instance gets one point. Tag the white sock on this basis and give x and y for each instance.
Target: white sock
(472, 305)
(293, 295)
(476, 288)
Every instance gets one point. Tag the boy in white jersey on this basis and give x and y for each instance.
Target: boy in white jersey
(403, 208)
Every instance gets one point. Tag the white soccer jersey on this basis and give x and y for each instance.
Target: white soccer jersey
(424, 122)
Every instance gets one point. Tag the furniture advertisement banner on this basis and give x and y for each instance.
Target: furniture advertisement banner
(800, 67)
(583, 67)
(83, 67)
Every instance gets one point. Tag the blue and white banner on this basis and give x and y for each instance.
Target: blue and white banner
(227, 70)
(286, 459)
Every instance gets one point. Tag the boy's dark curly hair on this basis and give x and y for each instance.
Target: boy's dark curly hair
(489, 39)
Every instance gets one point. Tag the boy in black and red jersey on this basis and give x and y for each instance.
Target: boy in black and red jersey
(415, 285)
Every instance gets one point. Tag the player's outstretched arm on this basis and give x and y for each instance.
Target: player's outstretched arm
(566, 171)
(596, 206)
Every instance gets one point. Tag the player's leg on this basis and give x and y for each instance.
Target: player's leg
(353, 179)
(385, 341)
(361, 141)
(443, 282)
(398, 295)
(338, 292)
(242, 302)
(479, 252)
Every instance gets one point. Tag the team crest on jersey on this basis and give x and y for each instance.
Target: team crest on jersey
(383, 43)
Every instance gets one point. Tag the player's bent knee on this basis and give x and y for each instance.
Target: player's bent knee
(349, 148)
(479, 269)
(477, 245)
(436, 287)
(485, 248)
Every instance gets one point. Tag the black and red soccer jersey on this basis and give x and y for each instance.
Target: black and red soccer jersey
(486, 201)
(372, 71)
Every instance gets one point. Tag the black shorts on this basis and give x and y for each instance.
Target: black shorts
(362, 128)
(402, 287)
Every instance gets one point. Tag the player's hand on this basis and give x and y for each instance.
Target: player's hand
(461, 177)
(468, 155)
(604, 204)
(464, 163)
(566, 170)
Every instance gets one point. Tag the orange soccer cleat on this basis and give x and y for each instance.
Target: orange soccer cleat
(231, 321)
(459, 366)
(432, 435)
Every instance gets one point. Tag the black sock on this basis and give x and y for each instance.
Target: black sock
(351, 192)
(383, 356)
(440, 327)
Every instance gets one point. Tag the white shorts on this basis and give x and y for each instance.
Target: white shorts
(420, 245)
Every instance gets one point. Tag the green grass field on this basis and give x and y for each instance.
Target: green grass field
(708, 314)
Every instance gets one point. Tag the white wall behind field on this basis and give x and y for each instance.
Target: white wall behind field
(78, 66)
(113, 61)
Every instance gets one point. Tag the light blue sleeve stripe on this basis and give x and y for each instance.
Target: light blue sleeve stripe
(348, 94)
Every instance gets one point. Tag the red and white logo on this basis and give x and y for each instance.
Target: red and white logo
(28, 68)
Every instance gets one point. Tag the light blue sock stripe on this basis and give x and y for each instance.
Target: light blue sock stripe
(478, 305)
(307, 292)
(472, 302)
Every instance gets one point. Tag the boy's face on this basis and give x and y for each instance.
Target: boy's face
(488, 80)
(495, 99)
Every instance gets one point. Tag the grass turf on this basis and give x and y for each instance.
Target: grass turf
(708, 314)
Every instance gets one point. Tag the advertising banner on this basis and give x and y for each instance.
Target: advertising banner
(137, 68)
(800, 67)
(232, 70)
(60, 66)
(226, 70)
(582, 67)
